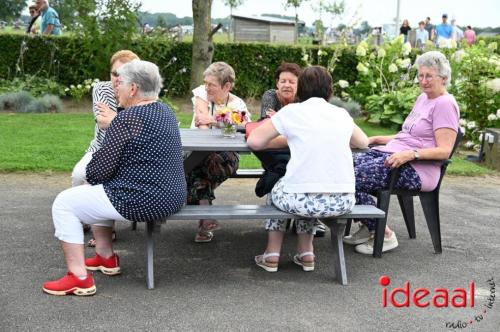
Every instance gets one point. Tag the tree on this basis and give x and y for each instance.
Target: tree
(333, 8)
(295, 4)
(11, 9)
(203, 47)
(232, 4)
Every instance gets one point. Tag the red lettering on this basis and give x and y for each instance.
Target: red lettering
(405, 291)
(441, 293)
(459, 294)
(384, 297)
(417, 297)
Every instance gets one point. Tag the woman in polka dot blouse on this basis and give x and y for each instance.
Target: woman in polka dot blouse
(219, 79)
(136, 175)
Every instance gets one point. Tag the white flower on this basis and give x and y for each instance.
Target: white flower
(79, 86)
(72, 86)
(360, 51)
(458, 55)
(462, 122)
(494, 84)
(96, 80)
(343, 84)
(498, 113)
(372, 56)
(344, 94)
(453, 44)
(362, 68)
(87, 87)
(373, 84)
(406, 49)
(357, 83)
(471, 125)
(305, 57)
(321, 52)
(405, 63)
(492, 117)
(67, 89)
(493, 46)
(381, 53)
(469, 144)
(393, 68)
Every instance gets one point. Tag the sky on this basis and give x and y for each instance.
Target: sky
(480, 13)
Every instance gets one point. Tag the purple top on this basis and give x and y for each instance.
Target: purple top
(417, 132)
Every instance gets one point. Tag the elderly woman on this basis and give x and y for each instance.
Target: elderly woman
(429, 132)
(215, 95)
(286, 76)
(136, 175)
(319, 179)
(104, 107)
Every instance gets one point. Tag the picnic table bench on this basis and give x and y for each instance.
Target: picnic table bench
(247, 212)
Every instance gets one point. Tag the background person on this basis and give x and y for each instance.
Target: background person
(50, 19)
(320, 173)
(470, 35)
(404, 29)
(36, 20)
(443, 31)
(136, 175)
(429, 132)
(105, 108)
(422, 36)
(217, 167)
(429, 27)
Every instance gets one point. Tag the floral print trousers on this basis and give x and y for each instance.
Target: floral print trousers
(216, 168)
(308, 205)
(372, 175)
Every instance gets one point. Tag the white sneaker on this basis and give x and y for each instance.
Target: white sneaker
(367, 248)
(361, 236)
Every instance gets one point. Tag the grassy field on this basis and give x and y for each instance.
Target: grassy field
(55, 142)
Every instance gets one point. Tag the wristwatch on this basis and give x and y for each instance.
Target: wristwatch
(416, 155)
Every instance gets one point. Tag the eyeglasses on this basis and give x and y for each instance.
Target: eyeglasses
(114, 73)
(428, 78)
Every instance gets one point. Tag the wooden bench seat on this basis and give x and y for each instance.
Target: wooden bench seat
(227, 212)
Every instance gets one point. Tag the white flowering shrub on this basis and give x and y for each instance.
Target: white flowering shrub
(78, 91)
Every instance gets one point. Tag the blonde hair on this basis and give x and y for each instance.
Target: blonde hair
(123, 56)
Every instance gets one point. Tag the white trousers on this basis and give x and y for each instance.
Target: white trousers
(79, 176)
(82, 204)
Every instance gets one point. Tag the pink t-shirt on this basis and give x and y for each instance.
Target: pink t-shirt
(417, 132)
(470, 35)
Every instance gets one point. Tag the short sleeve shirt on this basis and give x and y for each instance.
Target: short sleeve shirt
(50, 16)
(417, 132)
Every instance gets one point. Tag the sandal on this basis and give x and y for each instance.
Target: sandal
(91, 243)
(203, 236)
(306, 266)
(260, 260)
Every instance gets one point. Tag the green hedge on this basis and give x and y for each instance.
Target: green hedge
(69, 61)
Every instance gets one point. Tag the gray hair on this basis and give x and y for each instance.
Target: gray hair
(436, 60)
(144, 74)
(222, 71)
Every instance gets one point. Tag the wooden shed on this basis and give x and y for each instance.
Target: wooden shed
(263, 29)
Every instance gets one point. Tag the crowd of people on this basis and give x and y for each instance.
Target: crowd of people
(441, 34)
(133, 169)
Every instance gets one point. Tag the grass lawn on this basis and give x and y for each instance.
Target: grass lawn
(55, 142)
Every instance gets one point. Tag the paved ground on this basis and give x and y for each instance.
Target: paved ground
(215, 286)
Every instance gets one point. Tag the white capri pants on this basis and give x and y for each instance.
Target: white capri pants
(82, 204)
(79, 175)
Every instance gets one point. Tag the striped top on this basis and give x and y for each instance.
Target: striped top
(102, 93)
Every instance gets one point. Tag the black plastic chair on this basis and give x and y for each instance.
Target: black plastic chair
(429, 201)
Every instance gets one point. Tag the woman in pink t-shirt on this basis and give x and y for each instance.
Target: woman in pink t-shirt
(470, 35)
(429, 132)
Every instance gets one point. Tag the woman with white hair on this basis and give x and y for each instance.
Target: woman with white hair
(136, 175)
(217, 167)
(429, 132)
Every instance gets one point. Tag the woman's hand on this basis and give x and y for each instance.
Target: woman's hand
(203, 119)
(397, 159)
(104, 115)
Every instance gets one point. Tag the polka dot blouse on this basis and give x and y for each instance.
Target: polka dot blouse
(140, 163)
